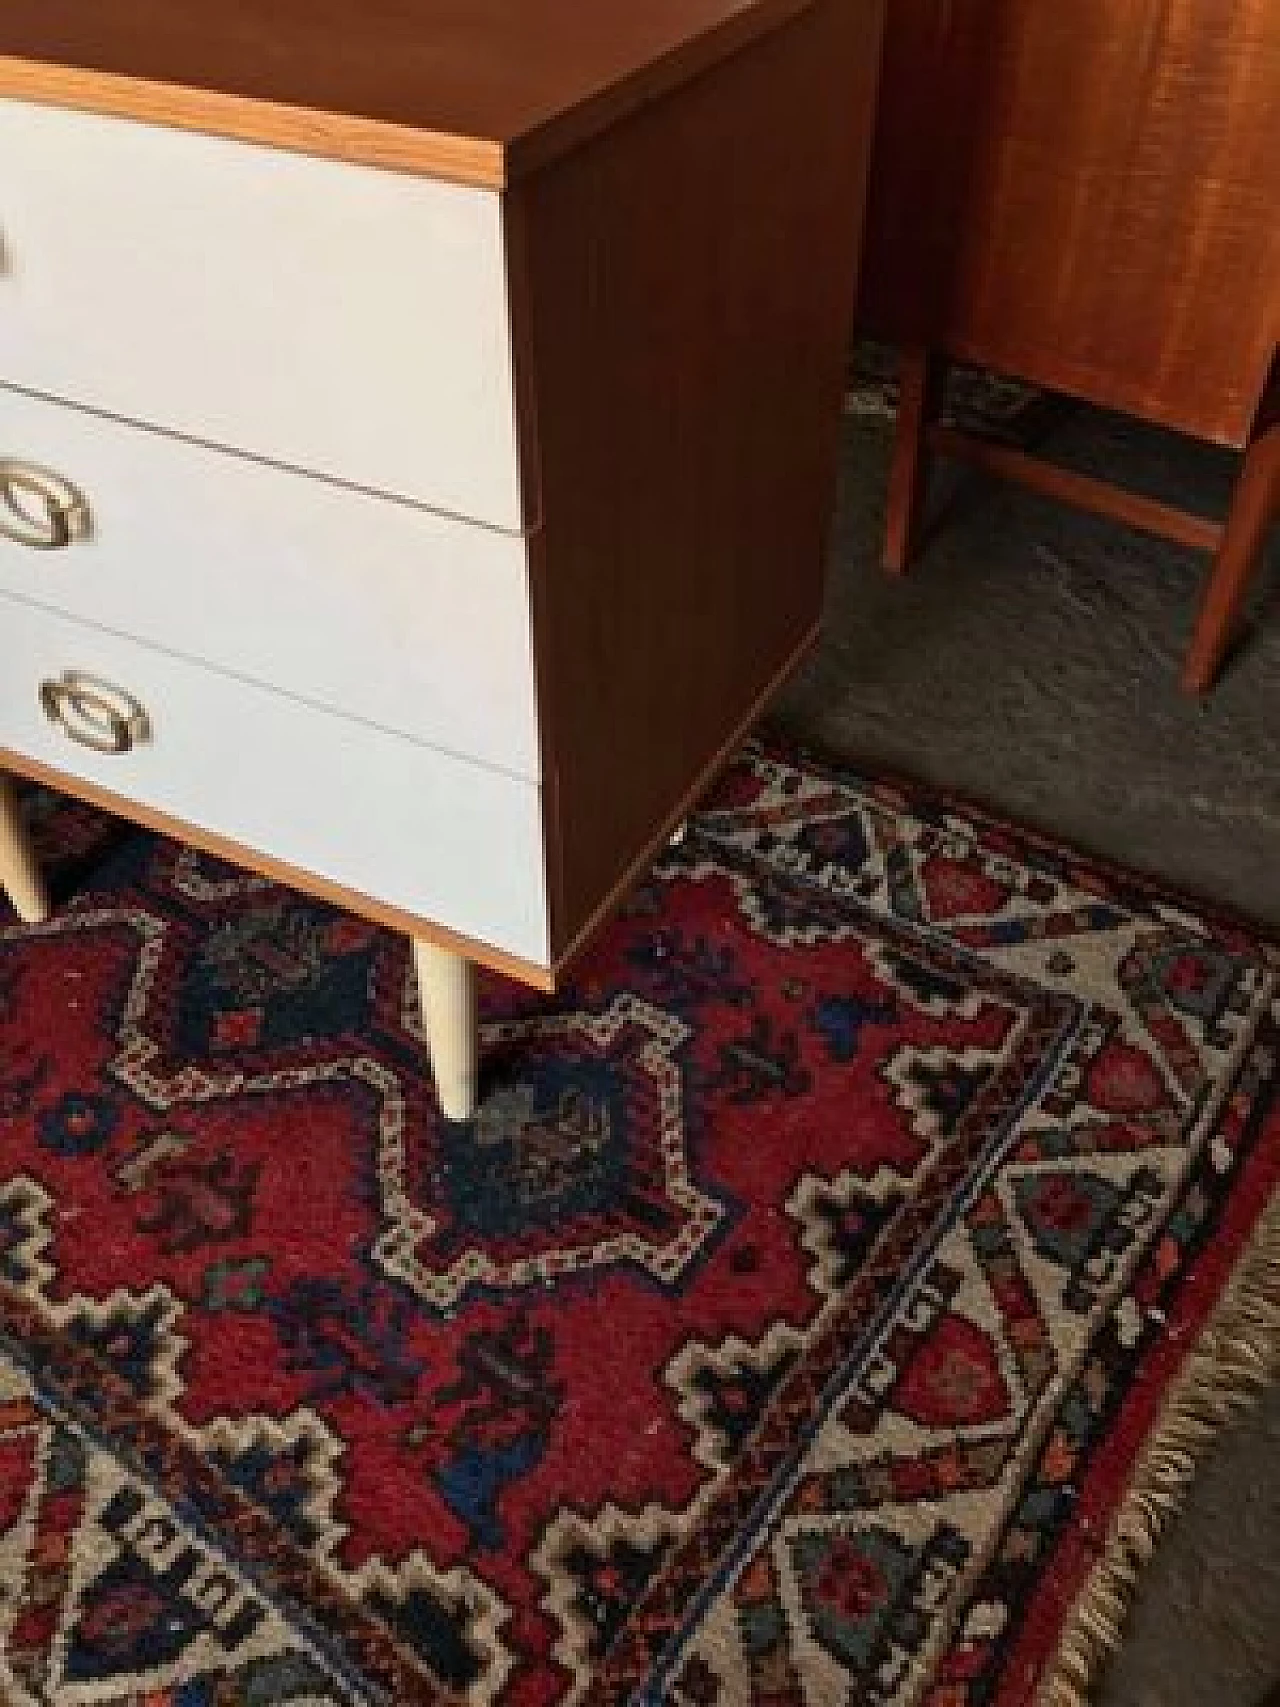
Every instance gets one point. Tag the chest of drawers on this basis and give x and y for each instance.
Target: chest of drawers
(417, 435)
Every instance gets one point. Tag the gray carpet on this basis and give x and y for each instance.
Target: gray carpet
(1031, 661)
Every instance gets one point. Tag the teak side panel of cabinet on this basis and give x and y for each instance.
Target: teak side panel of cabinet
(1086, 195)
(684, 292)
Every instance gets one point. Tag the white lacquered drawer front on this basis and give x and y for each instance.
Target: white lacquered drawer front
(336, 318)
(378, 609)
(444, 840)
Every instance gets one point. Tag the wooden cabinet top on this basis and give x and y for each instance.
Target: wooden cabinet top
(480, 91)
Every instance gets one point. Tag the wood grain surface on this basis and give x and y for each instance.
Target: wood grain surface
(480, 92)
(1086, 195)
(688, 284)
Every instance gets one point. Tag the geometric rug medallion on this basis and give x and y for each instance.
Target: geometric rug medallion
(783, 1331)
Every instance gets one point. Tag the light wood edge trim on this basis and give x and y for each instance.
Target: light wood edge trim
(482, 162)
(689, 800)
(523, 971)
(466, 160)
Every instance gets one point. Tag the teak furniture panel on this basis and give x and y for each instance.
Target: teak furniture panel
(483, 91)
(425, 833)
(385, 612)
(682, 301)
(340, 319)
(1086, 195)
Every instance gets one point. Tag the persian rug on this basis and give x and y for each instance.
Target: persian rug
(839, 1279)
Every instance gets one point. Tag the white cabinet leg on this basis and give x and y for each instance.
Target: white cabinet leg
(19, 874)
(447, 992)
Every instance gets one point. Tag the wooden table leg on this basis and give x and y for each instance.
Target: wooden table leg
(1255, 504)
(19, 874)
(447, 992)
(920, 377)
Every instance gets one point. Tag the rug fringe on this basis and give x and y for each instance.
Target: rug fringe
(1224, 1376)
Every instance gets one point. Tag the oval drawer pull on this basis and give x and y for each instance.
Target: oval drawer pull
(94, 713)
(39, 508)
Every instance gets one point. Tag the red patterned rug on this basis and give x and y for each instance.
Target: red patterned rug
(787, 1330)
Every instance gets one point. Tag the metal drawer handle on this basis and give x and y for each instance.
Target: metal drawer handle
(93, 713)
(39, 508)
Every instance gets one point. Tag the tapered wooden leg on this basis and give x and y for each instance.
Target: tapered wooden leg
(19, 874)
(1255, 505)
(919, 386)
(447, 991)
